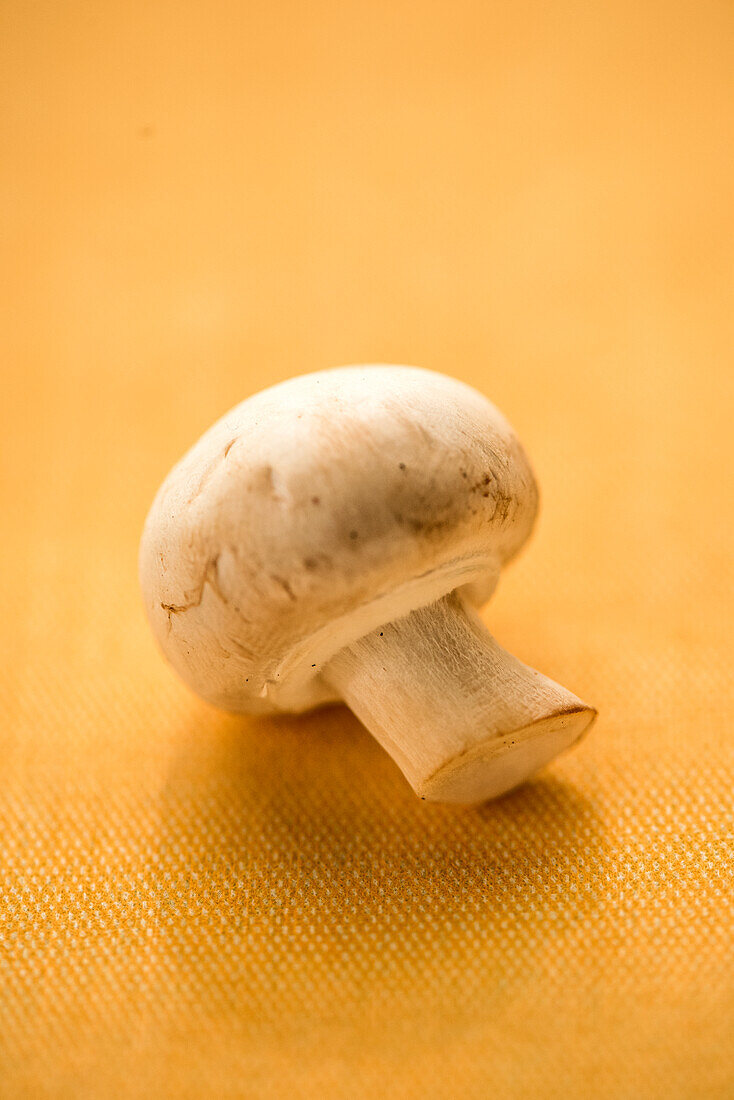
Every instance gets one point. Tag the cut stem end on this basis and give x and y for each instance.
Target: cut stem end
(464, 720)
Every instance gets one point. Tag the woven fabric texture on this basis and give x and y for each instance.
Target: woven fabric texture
(199, 200)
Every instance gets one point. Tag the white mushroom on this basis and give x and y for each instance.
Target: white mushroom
(329, 539)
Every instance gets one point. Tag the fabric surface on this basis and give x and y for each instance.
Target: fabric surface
(199, 200)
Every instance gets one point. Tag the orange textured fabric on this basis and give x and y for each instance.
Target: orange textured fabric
(199, 200)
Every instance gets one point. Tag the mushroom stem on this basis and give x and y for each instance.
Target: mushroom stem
(463, 719)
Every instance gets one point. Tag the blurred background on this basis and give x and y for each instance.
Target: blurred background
(197, 201)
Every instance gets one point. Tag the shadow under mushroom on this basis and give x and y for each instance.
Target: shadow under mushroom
(296, 846)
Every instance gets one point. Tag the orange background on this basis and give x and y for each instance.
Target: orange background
(198, 200)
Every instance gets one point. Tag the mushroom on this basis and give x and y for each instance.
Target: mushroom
(329, 539)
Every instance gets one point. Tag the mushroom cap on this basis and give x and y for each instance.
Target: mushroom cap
(319, 509)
